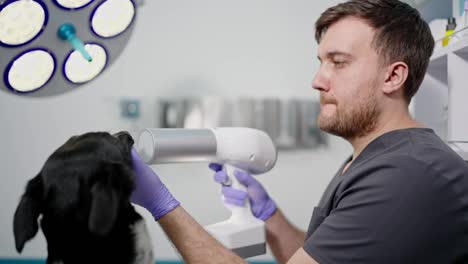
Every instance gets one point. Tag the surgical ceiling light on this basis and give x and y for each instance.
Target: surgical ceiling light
(73, 4)
(49, 47)
(30, 71)
(21, 22)
(112, 18)
(79, 70)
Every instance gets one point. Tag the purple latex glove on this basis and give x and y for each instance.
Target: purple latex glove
(263, 207)
(149, 191)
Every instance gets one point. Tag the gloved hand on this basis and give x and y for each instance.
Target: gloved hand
(263, 207)
(149, 191)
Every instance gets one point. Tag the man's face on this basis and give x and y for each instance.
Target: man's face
(349, 79)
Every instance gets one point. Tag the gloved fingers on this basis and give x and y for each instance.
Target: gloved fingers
(215, 166)
(135, 156)
(221, 177)
(234, 201)
(141, 169)
(244, 178)
(265, 210)
(232, 193)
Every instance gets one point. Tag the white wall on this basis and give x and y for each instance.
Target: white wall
(261, 48)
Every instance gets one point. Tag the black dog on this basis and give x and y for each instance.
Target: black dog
(83, 194)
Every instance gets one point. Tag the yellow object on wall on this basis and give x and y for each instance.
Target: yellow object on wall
(446, 39)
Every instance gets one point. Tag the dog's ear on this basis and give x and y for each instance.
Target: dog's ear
(106, 194)
(125, 138)
(25, 224)
(104, 208)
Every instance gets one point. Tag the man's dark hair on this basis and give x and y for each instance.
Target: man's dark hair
(401, 34)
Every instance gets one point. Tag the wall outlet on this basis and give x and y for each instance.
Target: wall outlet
(130, 108)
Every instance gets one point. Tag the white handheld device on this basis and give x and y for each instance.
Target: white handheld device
(236, 148)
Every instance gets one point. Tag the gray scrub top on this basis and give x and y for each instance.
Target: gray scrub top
(404, 199)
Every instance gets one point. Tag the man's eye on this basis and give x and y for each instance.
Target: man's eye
(339, 63)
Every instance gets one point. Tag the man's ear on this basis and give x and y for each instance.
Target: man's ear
(25, 224)
(395, 77)
(106, 195)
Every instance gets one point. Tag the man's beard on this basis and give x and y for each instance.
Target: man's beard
(352, 123)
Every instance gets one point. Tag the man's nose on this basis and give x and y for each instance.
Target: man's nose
(320, 81)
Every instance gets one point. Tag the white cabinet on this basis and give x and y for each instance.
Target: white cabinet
(442, 101)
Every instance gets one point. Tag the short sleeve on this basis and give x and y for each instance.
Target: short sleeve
(384, 215)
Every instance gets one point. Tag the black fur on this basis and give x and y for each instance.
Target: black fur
(82, 193)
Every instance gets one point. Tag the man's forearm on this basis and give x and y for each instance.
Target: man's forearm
(283, 238)
(192, 241)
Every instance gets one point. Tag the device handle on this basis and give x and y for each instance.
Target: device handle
(242, 233)
(240, 213)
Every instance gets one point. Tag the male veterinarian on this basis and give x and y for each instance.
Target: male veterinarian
(402, 197)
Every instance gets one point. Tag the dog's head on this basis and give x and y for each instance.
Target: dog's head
(82, 194)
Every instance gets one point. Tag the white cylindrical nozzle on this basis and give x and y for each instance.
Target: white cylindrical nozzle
(245, 148)
(167, 145)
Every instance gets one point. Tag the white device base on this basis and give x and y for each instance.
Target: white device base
(236, 232)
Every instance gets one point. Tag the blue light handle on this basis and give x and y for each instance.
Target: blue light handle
(68, 32)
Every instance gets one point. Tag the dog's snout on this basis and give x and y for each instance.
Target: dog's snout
(125, 138)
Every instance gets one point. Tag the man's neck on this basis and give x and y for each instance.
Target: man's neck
(386, 123)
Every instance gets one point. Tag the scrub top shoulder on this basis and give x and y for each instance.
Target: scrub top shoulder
(404, 199)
